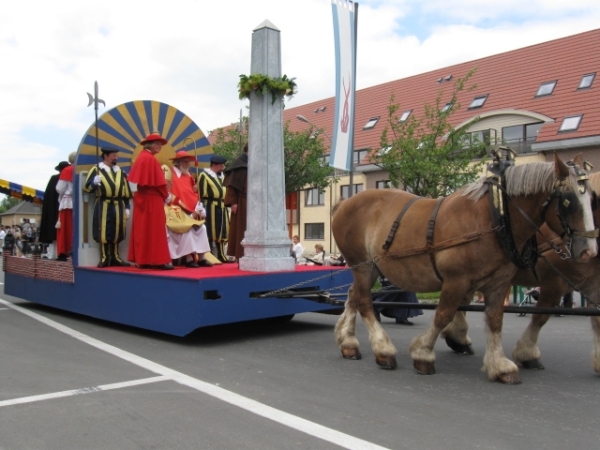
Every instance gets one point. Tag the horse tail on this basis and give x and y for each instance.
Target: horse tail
(335, 208)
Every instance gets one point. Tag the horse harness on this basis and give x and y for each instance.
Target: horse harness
(527, 258)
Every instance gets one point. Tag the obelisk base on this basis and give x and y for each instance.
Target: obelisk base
(267, 254)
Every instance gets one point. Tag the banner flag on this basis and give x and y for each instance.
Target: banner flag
(345, 14)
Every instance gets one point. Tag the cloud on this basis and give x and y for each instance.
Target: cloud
(190, 53)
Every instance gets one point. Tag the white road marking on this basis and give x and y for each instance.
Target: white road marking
(89, 390)
(297, 423)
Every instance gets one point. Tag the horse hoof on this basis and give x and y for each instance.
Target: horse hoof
(351, 353)
(424, 368)
(532, 364)
(387, 362)
(509, 378)
(462, 349)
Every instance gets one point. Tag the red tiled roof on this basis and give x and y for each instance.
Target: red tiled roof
(510, 80)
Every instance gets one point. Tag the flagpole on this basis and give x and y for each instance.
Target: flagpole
(351, 181)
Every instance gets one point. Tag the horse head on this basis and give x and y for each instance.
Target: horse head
(573, 198)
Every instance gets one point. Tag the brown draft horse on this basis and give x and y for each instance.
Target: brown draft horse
(463, 256)
(552, 287)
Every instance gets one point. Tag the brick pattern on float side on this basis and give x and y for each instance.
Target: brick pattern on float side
(39, 268)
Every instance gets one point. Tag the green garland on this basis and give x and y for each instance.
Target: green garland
(263, 84)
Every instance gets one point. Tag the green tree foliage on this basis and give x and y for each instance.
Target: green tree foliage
(305, 164)
(7, 203)
(426, 155)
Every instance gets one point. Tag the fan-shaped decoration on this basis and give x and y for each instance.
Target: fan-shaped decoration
(125, 126)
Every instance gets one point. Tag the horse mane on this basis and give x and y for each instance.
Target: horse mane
(524, 179)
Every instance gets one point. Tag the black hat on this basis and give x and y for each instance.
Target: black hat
(218, 159)
(62, 165)
(108, 150)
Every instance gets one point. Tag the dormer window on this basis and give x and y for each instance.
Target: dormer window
(546, 89)
(371, 123)
(478, 101)
(586, 81)
(570, 123)
(404, 116)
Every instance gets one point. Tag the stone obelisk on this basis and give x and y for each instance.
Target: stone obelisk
(266, 241)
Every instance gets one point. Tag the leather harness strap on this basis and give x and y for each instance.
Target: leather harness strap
(429, 247)
(396, 224)
(430, 228)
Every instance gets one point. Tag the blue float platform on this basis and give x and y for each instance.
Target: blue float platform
(174, 302)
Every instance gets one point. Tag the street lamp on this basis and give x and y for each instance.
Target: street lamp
(301, 118)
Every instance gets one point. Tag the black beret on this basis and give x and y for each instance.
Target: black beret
(218, 159)
(108, 150)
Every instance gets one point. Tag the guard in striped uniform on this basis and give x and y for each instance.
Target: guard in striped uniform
(111, 209)
(212, 192)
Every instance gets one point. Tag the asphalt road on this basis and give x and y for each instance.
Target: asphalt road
(70, 382)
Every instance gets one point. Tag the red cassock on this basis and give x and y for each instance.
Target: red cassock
(183, 190)
(148, 242)
(64, 235)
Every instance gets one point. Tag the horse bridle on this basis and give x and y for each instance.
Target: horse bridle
(568, 203)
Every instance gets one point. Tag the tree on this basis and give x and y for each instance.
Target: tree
(7, 203)
(426, 155)
(304, 162)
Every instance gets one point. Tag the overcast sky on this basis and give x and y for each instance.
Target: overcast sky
(190, 53)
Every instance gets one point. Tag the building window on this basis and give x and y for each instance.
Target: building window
(383, 184)
(371, 123)
(478, 101)
(359, 155)
(314, 231)
(344, 190)
(313, 197)
(570, 123)
(520, 137)
(545, 89)
(480, 138)
(405, 115)
(587, 80)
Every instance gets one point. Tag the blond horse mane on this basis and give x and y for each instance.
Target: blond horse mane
(525, 179)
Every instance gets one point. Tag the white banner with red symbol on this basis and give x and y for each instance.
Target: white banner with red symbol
(344, 29)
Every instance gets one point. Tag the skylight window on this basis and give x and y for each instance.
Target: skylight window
(570, 123)
(545, 89)
(586, 81)
(478, 101)
(371, 123)
(447, 106)
(404, 116)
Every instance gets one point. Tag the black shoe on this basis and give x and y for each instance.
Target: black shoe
(61, 258)
(164, 267)
(117, 263)
(143, 266)
(103, 264)
(204, 263)
(192, 264)
(404, 322)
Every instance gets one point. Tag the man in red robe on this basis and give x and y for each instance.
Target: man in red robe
(148, 246)
(64, 226)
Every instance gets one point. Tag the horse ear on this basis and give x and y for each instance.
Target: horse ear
(579, 161)
(560, 168)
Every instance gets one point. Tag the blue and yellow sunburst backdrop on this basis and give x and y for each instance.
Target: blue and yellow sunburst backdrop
(126, 125)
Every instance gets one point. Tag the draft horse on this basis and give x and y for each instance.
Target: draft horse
(450, 246)
(584, 277)
(556, 276)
